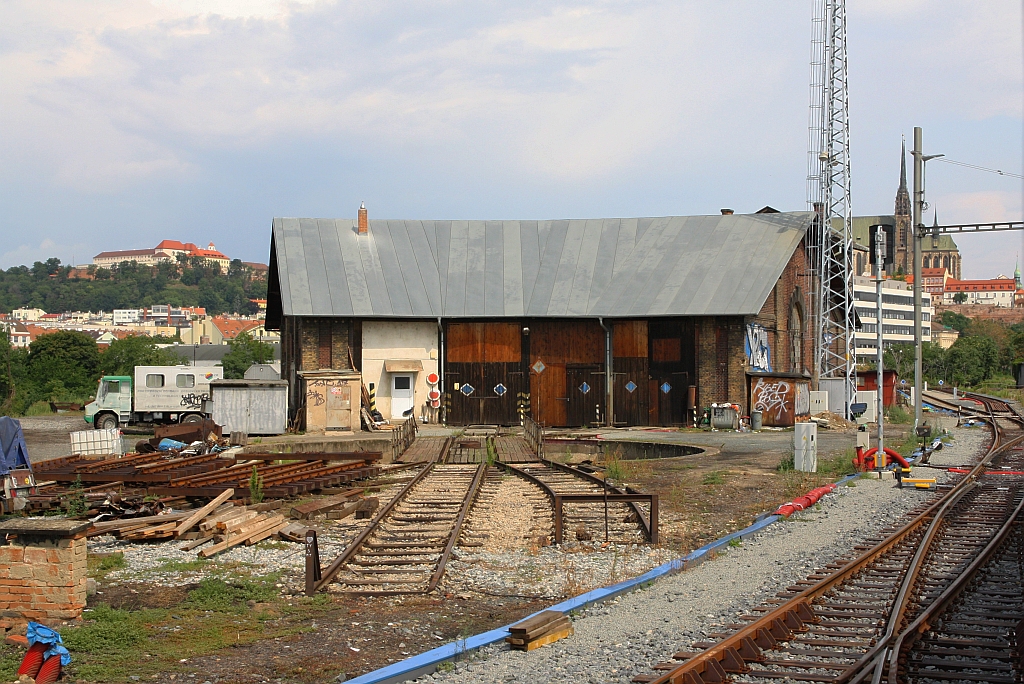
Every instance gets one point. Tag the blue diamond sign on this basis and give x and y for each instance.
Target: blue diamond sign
(500, 389)
(584, 388)
(467, 389)
(538, 367)
(630, 386)
(666, 388)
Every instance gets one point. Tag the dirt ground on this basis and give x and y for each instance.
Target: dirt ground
(49, 436)
(705, 496)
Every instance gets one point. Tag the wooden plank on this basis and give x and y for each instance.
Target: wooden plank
(542, 641)
(224, 513)
(228, 526)
(344, 512)
(187, 524)
(532, 622)
(243, 534)
(255, 539)
(541, 630)
(195, 544)
(106, 525)
(321, 506)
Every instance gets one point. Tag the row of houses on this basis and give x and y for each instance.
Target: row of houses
(1001, 291)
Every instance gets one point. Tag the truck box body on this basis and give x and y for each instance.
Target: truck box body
(173, 389)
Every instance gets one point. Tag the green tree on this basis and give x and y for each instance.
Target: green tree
(972, 359)
(960, 298)
(245, 351)
(958, 322)
(934, 363)
(7, 385)
(899, 357)
(64, 365)
(122, 356)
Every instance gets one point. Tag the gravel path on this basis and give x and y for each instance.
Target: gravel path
(618, 639)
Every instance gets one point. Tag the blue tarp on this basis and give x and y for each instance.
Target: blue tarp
(40, 634)
(13, 452)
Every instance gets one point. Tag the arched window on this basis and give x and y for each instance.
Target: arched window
(927, 262)
(945, 261)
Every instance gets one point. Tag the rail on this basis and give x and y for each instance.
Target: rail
(733, 654)
(608, 494)
(317, 577)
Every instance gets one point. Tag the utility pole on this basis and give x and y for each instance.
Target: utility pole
(918, 226)
(880, 251)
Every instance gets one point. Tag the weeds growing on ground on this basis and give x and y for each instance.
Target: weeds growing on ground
(255, 487)
(714, 478)
(614, 467)
(897, 415)
(77, 505)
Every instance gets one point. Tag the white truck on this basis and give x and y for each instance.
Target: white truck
(162, 394)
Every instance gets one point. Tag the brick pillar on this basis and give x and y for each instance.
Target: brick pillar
(43, 569)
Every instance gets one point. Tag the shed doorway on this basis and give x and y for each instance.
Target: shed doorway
(401, 395)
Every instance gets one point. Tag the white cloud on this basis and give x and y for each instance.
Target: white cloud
(29, 253)
(154, 107)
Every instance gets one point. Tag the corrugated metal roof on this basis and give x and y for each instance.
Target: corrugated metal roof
(667, 266)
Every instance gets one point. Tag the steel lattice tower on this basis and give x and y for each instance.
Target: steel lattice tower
(828, 192)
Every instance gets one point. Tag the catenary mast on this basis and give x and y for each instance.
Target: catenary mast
(828, 192)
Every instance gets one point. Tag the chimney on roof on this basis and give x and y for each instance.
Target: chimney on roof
(727, 212)
(364, 222)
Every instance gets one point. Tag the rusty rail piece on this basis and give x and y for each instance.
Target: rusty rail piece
(406, 547)
(830, 622)
(581, 487)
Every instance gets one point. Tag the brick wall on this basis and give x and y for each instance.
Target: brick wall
(43, 579)
(790, 294)
(324, 343)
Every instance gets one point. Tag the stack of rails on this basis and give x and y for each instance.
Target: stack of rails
(937, 599)
(210, 474)
(627, 522)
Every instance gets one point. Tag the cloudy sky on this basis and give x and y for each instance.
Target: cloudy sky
(125, 122)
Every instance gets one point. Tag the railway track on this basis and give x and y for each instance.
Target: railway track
(921, 603)
(405, 548)
(587, 507)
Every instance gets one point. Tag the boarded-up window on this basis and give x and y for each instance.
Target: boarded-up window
(484, 342)
(629, 339)
(666, 351)
(324, 347)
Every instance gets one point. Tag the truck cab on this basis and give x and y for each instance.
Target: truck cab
(113, 405)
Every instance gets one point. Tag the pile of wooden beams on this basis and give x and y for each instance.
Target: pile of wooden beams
(540, 630)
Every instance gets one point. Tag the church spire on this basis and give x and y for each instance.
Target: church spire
(903, 165)
(902, 195)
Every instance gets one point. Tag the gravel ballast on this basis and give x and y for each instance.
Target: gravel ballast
(621, 638)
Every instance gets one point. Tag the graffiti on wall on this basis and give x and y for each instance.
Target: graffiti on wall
(780, 400)
(759, 354)
(771, 397)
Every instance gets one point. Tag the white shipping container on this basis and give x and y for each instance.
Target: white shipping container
(97, 443)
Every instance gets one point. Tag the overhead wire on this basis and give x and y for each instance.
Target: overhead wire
(976, 167)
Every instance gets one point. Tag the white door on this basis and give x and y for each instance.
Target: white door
(401, 395)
